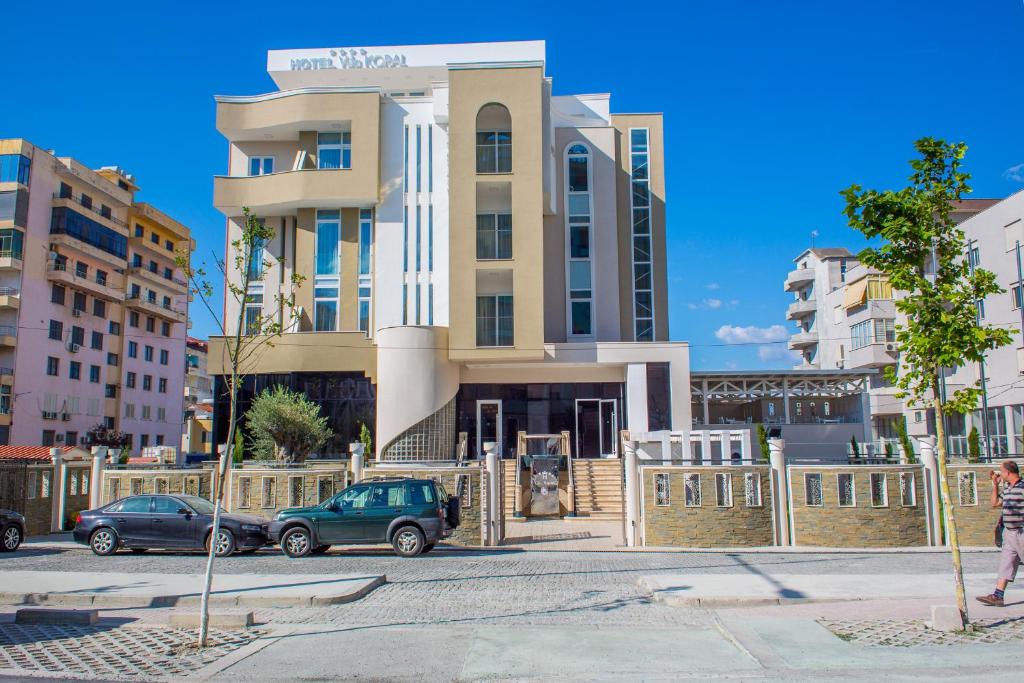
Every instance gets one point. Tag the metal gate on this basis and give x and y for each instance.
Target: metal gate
(13, 476)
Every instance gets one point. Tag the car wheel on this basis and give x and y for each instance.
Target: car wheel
(225, 543)
(139, 551)
(297, 542)
(10, 538)
(428, 547)
(320, 549)
(103, 541)
(408, 541)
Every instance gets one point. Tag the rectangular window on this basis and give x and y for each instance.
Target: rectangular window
(430, 303)
(78, 301)
(908, 491)
(268, 490)
(295, 490)
(133, 349)
(430, 158)
(847, 493)
(405, 239)
(494, 320)
(254, 310)
(110, 391)
(752, 489)
(164, 356)
(405, 165)
(419, 238)
(405, 304)
(256, 263)
(94, 374)
(812, 489)
(114, 328)
(129, 411)
(99, 308)
(148, 353)
(147, 413)
(860, 335)
(15, 168)
(96, 341)
(643, 297)
(150, 324)
(661, 489)
(691, 490)
(112, 359)
(493, 236)
(723, 490)
(244, 491)
(147, 383)
(324, 488)
(334, 150)
(52, 366)
(365, 240)
(364, 309)
(419, 148)
(967, 483)
(165, 328)
(494, 151)
(879, 490)
(162, 385)
(161, 414)
(57, 295)
(418, 304)
(56, 330)
(75, 370)
(11, 243)
(261, 165)
(430, 238)
(129, 380)
(328, 234)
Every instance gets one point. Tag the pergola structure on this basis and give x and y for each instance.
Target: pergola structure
(735, 387)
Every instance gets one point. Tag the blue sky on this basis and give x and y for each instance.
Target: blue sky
(770, 109)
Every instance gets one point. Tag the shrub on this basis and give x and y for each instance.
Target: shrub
(284, 426)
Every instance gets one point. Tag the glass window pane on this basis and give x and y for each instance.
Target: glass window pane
(327, 247)
(268, 165)
(328, 138)
(641, 221)
(643, 305)
(326, 316)
(639, 170)
(581, 317)
(329, 158)
(579, 275)
(642, 276)
(641, 194)
(579, 205)
(579, 241)
(642, 248)
(577, 174)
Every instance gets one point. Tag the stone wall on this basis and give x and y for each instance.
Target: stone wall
(38, 499)
(975, 517)
(77, 489)
(267, 491)
(680, 519)
(469, 531)
(862, 524)
(119, 483)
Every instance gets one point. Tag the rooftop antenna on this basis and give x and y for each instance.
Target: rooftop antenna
(814, 233)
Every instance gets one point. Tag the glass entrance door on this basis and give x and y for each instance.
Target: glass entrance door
(596, 428)
(488, 425)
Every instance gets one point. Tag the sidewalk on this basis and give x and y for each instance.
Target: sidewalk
(111, 589)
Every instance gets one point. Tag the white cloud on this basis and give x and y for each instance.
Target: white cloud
(713, 303)
(734, 334)
(710, 304)
(1015, 173)
(712, 285)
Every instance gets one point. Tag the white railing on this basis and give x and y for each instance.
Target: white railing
(695, 447)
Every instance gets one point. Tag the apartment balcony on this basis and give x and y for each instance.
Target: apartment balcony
(76, 203)
(801, 340)
(8, 337)
(284, 114)
(102, 288)
(5, 416)
(801, 308)
(11, 259)
(881, 308)
(73, 243)
(799, 278)
(276, 194)
(160, 250)
(154, 308)
(884, 402)
(7, 376)
(173, 284)
(874, 355)
(10, 298)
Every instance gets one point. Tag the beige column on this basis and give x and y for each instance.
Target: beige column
(633, 483)
(58, 490)
(780, 490)
(99, 460)
(493, 465)
(931, 489)
(356, 461)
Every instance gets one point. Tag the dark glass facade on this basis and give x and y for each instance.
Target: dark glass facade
(532, 408)
(347, 399)
(64, 221)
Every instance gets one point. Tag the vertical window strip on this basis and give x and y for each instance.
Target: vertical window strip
(419, 237)
(640, 204)
(405, 303)
(405, 239)
(419, 166)
(430, 238)
(418, 319)
(430, 303)
(430, 158)
(405, 164)
(579, 239)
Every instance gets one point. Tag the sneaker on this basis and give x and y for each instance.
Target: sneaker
(991, 600)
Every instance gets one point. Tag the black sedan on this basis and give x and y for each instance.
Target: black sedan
(169, 522)
(12, 530)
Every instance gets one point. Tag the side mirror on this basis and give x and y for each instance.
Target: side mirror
(184, 511)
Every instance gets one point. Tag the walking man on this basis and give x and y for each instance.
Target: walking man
(1012, 502)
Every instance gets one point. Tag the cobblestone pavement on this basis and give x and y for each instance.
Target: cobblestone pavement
(914, 633)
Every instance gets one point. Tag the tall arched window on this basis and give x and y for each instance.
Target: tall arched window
(579, 241)
(493, 139)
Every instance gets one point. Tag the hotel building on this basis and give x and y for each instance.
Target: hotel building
(846, 318)
(480, 254)
(93, 309)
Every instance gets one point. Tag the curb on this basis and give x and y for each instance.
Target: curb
(102, 600)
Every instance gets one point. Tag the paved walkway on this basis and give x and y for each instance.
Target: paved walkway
(565, 534)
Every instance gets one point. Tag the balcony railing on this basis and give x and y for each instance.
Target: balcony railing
(11, 253)
(9, 291)
(77, 199)
(152, 302)
(8, 331)
(6, 371)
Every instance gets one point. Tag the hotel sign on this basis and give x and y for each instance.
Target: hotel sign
(351, 58)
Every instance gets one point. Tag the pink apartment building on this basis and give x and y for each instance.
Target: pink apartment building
(93, 310)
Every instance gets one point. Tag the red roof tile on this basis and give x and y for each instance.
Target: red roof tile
(29, 452)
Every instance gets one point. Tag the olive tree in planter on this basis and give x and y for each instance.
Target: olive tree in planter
(923, 253)
(285, 426)
(244, 336)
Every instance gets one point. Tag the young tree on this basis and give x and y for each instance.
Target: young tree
(973, 446)
(244, 336)
(908, 445)
(285, 425)
(923, 255)
(762, 442)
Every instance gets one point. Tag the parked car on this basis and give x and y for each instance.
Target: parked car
(410, 514)
(168, 522)
(12, 530)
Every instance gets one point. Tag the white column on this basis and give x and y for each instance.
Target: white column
(785, 398)
(780, 490)
(707, 413)
(865, 411)
(493, 493)
(633, 483)
(636, 398)
(931, 489)
(58, 490)
(99, 460)
(357, 450)
(705, 447)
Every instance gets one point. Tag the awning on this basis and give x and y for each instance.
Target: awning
(856, 294)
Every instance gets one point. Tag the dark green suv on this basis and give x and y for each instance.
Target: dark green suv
(410, 514)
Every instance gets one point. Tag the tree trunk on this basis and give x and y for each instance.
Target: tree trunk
(951, 530)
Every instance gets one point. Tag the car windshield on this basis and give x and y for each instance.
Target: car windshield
(200, 505)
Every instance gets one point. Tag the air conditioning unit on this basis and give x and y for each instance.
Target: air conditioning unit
(47, 415)
(890, 347)
(75, 313)
(73, 347)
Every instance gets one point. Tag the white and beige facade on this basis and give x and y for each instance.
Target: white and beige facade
(480, 255)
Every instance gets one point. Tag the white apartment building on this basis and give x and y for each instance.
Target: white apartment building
(846, 317)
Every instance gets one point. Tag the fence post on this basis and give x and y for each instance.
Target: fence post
(632, 492)
(493, 493)
(356, 461)
(780, 490)
(99, 460)
(931, 489)
(58, 490)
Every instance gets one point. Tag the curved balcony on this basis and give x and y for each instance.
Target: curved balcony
(801, 340)
(284, 114)
(799, 278)
(801, 308)
(278, 194)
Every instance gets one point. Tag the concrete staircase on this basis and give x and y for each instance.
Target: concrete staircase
(599, 489)
(508, 471)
